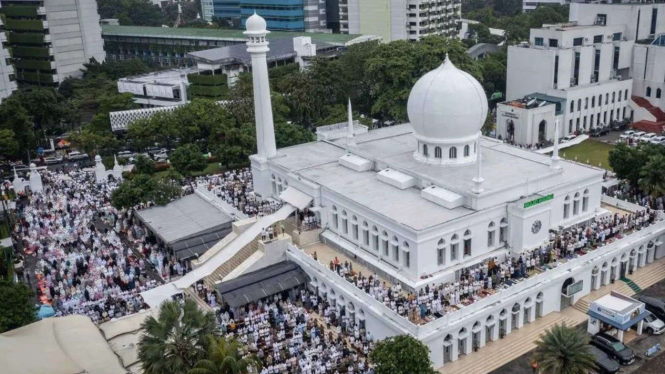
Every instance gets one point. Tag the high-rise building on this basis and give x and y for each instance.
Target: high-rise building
(51, 41)
(7, 76)
(397, 19)
(288, 15)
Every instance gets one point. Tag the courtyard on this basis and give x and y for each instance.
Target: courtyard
(591, 152)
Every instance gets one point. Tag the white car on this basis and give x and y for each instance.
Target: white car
(647, 137)
(653, 325)
(125, 154)
(52, 160)
(76, 155)
(637, 135)
(568, 138)
(627, 134)
(657, 140)
(161, 156)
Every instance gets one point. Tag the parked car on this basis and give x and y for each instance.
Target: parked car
(657, 140)
(647, 137)
(637, 135)
(600, 131)
(654, 305)
(153, 150)
(653, 325)
(568, 138)
(627, 134)
(619, 125)
(126, 154)
(614, 348)
(605, 364)
(52, 160)
(76, 155)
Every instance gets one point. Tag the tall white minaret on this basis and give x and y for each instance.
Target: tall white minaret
(554, 165)
(478, 180)
(257, 46)
(350, 139)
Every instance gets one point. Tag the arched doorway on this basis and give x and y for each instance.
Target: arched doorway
(542, 131)
(515, 320)
(448, 349)
(510, 127)
(462, 338)
(489, 329)
(594, 278)
(475, 331)
(603, 274)
(539, 304)
(566, 300)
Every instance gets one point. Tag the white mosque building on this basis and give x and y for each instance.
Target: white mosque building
(417, 203)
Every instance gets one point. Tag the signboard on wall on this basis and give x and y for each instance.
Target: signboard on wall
(537, 201)
(574, 288)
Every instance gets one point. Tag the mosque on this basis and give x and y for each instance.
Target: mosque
(418, 203)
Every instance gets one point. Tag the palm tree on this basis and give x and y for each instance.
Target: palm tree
(224, 357)
(172, 343)
(563, 350)
(652, 176)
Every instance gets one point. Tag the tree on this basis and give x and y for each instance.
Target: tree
(627, 162)
(13, 116)
(144, 165)
(173, 342)
(288, 134)
(223, 357)
(8, 144)
(187, 159)
(652, 176)
(563, 350)
(16, 308)
(401, 354)
(142, 189)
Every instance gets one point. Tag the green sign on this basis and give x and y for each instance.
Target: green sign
(539, 200)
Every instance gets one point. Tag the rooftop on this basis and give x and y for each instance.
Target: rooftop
(279, 49)
(219, 34)
(171, 77)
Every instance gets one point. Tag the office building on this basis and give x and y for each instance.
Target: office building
(51, 40)
(285, 15)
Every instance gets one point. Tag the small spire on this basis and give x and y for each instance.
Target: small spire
(350, 140)
(115, 159)
(554, 165)
(478, 180)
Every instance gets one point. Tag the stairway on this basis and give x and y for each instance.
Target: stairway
(636, 289)
(232, 263)
(655, 111)
(582, 305)
(190, 294)
(649, 275)
(501, 351)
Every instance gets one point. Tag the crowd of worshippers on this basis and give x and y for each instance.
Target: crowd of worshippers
(236, 187)
(299, 332)
(488, 277)
(81, 267)
(636, 196)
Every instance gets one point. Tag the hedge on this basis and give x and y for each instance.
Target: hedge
(24, 24)
(27, 38)
(207, 80)
(36, 77)
(33, 65)
(42, 52)
(207, 91)
(20, 11)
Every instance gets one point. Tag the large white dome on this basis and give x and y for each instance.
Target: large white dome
(446, 106)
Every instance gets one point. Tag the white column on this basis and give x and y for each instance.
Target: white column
(257, 46)
(478, 180)
(350, 139)
(555, 153)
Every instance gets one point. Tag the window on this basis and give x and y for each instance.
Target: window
(579, 105)
(384, 241)
(598, 39)
(619, 96)
(616, 36)
(585, 201)
(556, 69)
(334, 218)
(454, 245)
(375, 238)
(648, 91)
(576, 204)
(503, 230)
(615, 62)
(467, 243)
(600, 100)
(425, 150)
(601, 19)
(365, 235)
(539, 41)
(566, 207)
(437, 152)
(452, 153)
(466, 150)
(626, 94)
(395, 249)
(607, 98)
(407, 259)
(570, 126)
(440, 252)
(576, 70)
(572, 105)
(586, 103)
(593, 102)
(654, 18)
(354, 227)
(614, 94)
(345, 226)
(577, 42)
(490, 235)
(553, 43)
(659, 92)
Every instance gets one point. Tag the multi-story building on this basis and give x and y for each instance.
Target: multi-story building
(288, 15)
(587, 67)
(398, 19)
(51, 41)
(7, 76)
(531, 5)
(170, 46)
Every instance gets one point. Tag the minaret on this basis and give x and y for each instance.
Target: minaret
(555, 153)
(350, 139)
(478, 180)
(257, 46)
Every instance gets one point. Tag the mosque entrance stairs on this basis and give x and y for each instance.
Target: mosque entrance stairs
(632, 285)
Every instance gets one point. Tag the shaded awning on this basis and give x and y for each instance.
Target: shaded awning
(194, 247)
(296, 198)
(624, 326)
(261, 283)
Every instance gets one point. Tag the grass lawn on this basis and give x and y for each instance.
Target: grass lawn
(596, 152)
(212, 168)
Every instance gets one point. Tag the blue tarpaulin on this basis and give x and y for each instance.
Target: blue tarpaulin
(45, 311)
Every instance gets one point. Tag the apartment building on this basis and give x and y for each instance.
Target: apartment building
(51, 41)
(7, 74)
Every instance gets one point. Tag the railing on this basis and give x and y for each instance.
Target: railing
(622, 204)
(225, 207)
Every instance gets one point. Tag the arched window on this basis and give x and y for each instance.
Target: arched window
(576, 204)
(503, 230)
(334, 218)
(600, 100)
(659, 92)
(345, 223)
(572, 106)
(619, 96)
(585, 201)
(566, 207)
(365, 234)
(593, 102)
(385, 244)
(491, 231)
(648, 91)
(607, 98)
(454, 246)
(425, 153)
(407, 255)
(614, 95)
(452, 153)
(467, 243)
(466, 150)
(395, 244)
(441, 252)
(375, 238)
(586, 103)
(274, 184)
(626, 94)
(579, 104)
(437, 152)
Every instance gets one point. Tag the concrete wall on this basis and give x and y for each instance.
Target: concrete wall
(649, 71)
(636, 17)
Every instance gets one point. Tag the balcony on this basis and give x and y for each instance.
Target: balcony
(35, 65)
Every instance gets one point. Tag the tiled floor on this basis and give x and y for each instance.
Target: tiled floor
(325, 255)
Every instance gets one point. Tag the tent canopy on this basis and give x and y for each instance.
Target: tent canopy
(261, 283)
(296, 198)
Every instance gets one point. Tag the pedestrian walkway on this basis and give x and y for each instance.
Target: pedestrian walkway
(500, 352)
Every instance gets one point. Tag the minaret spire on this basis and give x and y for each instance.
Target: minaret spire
(478, 180)
(350, 139)
(257, 46)
(555, 153)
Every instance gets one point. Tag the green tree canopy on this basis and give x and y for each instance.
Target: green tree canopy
(223, 357)
(173, 342)
(652, 176)
(144, 165)
(16, 308)
(142, 189)
(401, 354)
(187, 159)
(563, 350)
